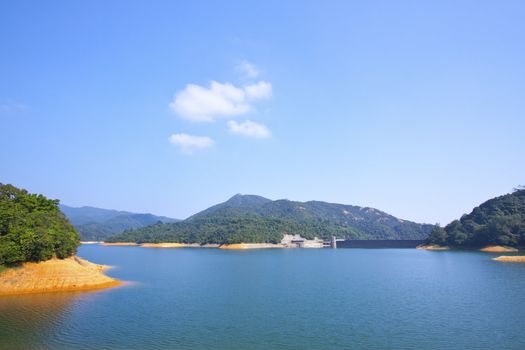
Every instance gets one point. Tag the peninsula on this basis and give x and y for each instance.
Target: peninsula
(38, 246)
(55, 275)
(511, 258)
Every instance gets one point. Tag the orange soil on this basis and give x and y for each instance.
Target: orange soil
(432, 247)
(120, 244)
(55, 275)
(498, 249)
(506, 258)
(166, 245)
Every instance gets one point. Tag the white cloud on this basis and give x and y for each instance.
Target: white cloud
(250, 129)
(198, 103)
(261, 90)
(248, 70)
(190, 143)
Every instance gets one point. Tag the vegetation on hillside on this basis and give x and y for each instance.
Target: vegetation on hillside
(32, 228)
(498, 221)
(96, 224)
(254, 219)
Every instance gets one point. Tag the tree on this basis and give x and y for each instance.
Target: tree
(32, 228)
(438, 235)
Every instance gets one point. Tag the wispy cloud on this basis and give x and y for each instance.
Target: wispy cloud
(189, 143)
(199, 103)
(249, 129)
(12, 107)
(248, 70)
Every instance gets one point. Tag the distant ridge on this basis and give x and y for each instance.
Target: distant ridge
(95, 224)
(255, 219)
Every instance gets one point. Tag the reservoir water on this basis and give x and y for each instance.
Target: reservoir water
(279, 299)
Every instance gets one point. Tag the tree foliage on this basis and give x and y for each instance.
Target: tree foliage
(498, 221)
(32, 228)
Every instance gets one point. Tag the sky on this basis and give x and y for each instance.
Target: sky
(416, 108)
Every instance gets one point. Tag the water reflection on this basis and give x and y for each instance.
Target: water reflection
(35, 316)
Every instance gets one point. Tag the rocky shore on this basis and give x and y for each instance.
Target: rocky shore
(55, 275)
(498, 249)
(511, 258)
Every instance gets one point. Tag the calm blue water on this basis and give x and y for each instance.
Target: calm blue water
(279, 299)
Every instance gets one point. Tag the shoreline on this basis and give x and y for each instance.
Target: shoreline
(178, 245)
(243, 246)
(432, 247)
(246, 246)
(235, 246)
(510, 258)
(165, 245)
(498, 249)
(55, 275)
(120, 244)
(487, 249)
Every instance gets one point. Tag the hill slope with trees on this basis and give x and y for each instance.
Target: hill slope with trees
(255, 219)
(96, 224)
(498, 221)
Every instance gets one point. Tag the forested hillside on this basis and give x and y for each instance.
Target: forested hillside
(251, 219)
(498, 221)
(96, 224)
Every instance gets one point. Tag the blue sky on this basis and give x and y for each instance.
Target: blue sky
(416, 108)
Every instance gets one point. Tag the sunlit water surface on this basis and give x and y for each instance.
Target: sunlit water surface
(279, 299)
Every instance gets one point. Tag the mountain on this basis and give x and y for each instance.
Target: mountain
(254, 219)
(94, 224)
(242, 202)
(498, 221)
